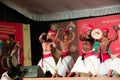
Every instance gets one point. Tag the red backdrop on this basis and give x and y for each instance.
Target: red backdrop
(7, 28)
(107, 21)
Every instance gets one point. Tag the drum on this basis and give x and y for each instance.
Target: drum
(9, 61)
(96, 34)
(5, 62)
(13, 61)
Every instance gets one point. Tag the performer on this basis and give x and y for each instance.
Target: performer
(65, 62)
(13, 51)
(115, 66)
(47, 62)
(88, 62)
(14, 47)
(103, 55)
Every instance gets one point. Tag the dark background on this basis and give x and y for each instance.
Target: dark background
(36, 27)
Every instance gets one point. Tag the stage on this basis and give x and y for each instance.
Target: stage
(76, 78)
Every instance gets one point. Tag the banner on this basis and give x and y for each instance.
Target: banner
(100, 22)
(27, 45)
(22, 36)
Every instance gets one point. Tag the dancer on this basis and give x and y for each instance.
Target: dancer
(47, 62)
(103, 55)
(88, 62)
(65, 62)
(115, 66)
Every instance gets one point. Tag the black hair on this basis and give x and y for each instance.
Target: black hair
(48, 74)
(13, 71)
(11, 36)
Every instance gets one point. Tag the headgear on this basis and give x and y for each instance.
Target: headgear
(105, 29)
(65, 32)
(51, 32)
(88, 27)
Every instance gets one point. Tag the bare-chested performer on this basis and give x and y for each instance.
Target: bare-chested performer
(88, 62)
(103, 55)
(65, 62)
(47, 62)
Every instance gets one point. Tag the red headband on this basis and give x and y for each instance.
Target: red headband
(89, 27)
(105, 29)
(51, 32)
(65, 32)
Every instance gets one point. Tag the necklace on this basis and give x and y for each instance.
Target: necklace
(65, 42)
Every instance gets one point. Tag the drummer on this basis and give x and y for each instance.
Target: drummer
(87, 62)
(13, 48)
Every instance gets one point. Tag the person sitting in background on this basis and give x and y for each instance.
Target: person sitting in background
(65, 62)
(47, 62)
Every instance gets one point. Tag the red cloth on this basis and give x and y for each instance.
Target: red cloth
(104, 56)
(64, 54)
(89, 27)
(118, 56)
(87, 54)
(105, 29)
(46, 56)
(51, 32)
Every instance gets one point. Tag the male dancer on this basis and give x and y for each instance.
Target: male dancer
(88, 62)
(103, 55)
(65, 62)
(47, 62)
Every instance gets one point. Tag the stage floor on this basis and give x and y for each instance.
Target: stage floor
(76, 78)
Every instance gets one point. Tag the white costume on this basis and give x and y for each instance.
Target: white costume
(79, 66)
(105, 63)
(89, 64)
(115, 65)
(65, 64)
(47, 63)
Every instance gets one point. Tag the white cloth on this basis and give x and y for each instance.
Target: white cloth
(79, 66)
(5, 76)
(115, 65)
(92, 63)
(48, 65)
(65, 65)
(89, 64)
(104, 67)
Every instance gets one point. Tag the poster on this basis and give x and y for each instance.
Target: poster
(22, 36)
